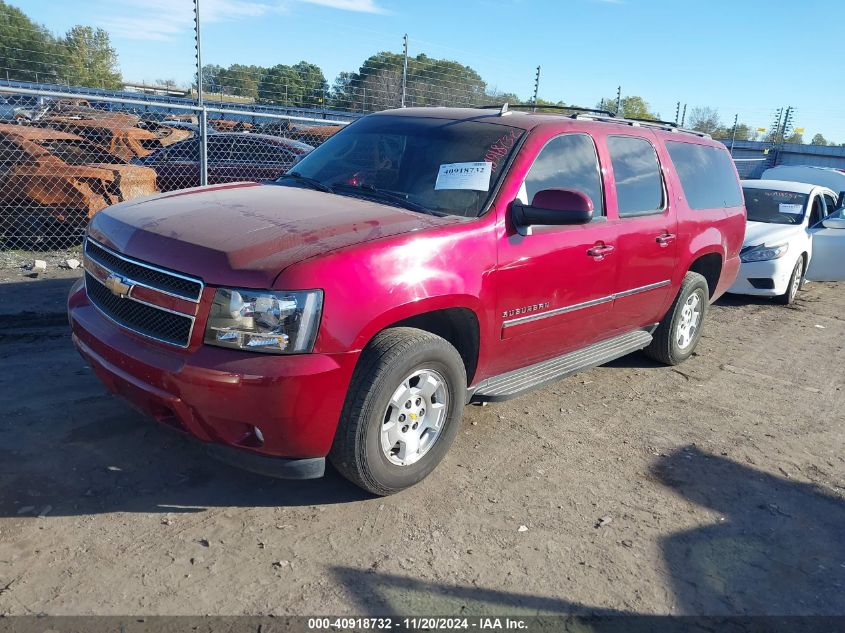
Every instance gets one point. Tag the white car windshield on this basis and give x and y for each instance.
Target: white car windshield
(774, 206)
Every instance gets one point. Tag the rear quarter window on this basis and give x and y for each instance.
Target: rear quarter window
(707, 174)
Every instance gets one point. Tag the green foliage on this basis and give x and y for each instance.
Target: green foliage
(29, 52)
(818, 139)
(795, 137)
(89, 59)
(377, 85)
(632, 107)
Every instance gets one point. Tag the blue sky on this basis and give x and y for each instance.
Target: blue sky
(745, 57)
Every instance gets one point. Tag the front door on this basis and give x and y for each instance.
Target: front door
(828, 260)
(555, 286)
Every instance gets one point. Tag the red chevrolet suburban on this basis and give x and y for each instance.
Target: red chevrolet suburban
(419, 260)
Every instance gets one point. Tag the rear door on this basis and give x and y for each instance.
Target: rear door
(647, 231)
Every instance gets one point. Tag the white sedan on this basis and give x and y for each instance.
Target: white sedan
(794, 233)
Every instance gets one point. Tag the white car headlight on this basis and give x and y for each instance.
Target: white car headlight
(764, 253)
(273, 322)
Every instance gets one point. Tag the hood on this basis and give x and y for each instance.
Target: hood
(769, 234)
(245, 234)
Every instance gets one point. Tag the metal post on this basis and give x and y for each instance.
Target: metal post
(618, 99)
(405, 69)
(684, 115)
(677, 112)
(536, 89)
(733, 138)
(203, 112)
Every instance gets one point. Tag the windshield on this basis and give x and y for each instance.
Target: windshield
(441, 165)
(774, 206)
(78, 151)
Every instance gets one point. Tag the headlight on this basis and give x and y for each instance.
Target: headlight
(763, 253)
(265, 321)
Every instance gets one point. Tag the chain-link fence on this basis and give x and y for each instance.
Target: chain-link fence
(66, 156)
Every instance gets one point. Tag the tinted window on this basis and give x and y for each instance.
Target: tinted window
(817, 210)
(421, 160)
(186, 150)
(639, 185)
(567, 162)
(774, 206)
(707, 175)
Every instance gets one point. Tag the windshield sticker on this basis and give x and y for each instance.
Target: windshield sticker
(473, 176)
(791, 209)
(501, 148)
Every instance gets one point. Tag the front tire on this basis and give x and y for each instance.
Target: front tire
(796, 281)
(677, 335)
(402, 411)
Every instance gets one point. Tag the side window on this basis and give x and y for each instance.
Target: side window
(707, 174)
(830, 203)
(817, 210)
(184, 151)
(639, 184)
(568, 161)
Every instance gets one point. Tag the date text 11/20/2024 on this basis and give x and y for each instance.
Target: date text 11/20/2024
(417, 623)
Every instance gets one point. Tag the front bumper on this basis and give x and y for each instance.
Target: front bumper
(218, 395)
(778, 271)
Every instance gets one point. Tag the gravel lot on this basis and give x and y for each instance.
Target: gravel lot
(717, 487)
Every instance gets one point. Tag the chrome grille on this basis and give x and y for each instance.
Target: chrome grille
(143, 274)
(143, 318)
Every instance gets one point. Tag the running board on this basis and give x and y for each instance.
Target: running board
(517, 382)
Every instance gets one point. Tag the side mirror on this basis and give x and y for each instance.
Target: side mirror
(552, 207)
(834, 223)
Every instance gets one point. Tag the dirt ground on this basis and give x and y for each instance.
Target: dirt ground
(717, 487)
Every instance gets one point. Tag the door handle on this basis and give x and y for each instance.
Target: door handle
(599, 250)
(665, 238)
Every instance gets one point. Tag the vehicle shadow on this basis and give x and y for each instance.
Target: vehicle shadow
(776, 548)
(382, 594)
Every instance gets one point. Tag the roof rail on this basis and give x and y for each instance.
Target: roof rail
(666, 126)
(572, 108)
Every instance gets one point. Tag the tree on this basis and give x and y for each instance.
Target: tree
(818, 139)
(282, 85)
(795, 137)
(89, 59)
(28, 52)
(632, 107)
(315, 88)
(706, 119)
(377, 84)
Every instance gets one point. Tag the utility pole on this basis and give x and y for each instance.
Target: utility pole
(677, 112)
(405, 69)
(684, 115)
(733, 137)
(618, 99)
(203, 112)
(787, 124)
(536, 89)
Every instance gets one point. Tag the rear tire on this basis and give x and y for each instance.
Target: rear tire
(796, 282)
(677, 335)
(407, 380)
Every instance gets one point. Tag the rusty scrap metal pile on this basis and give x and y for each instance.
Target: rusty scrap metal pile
(63, 160)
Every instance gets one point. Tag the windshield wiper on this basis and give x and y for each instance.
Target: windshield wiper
(388, 196)
(307, 180)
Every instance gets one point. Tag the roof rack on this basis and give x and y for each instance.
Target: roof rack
(594, 114)
(666, 126)
(572, 108)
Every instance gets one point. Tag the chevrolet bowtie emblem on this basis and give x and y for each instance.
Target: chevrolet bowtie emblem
(413, 416)
(118, 285)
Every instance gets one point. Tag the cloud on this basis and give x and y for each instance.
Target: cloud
(166, 19)
(360, 6)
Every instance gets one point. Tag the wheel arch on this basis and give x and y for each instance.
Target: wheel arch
(709, 265)
(458, 324)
